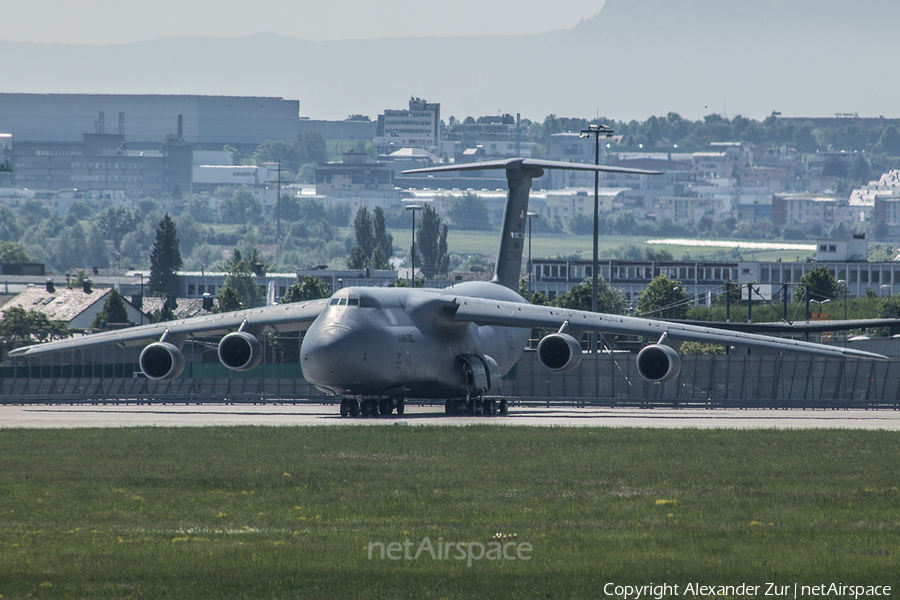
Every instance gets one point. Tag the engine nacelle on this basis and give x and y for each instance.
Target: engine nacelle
(658, 363)
(162, 360)
(559, 352)
(240, 351)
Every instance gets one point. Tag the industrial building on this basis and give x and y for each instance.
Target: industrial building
(208, 121)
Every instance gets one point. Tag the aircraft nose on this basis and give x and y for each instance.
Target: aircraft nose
(341, 358)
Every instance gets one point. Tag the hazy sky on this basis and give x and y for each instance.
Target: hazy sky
(116, 21)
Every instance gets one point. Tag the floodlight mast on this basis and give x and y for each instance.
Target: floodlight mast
(596, 131)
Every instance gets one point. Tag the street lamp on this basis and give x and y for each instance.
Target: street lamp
(530, 216)
(596, 131)
(412, 275)
(818, 310)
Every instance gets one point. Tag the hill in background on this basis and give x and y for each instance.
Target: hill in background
(634, 59)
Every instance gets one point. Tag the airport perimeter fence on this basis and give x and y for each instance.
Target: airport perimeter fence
(605, 380)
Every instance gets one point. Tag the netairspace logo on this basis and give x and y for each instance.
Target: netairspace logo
(467, 551)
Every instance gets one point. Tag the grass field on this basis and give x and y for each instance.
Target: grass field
(248, 512)
(547, 245)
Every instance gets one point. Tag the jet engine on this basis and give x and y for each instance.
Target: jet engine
(162, 360)
(559, 352)
(240, 351)
(658, 363)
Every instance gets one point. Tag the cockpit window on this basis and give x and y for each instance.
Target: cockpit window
(353, 302)
(334, 302)
(343, 302)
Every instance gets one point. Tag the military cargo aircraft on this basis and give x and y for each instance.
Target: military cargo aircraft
(376, 347)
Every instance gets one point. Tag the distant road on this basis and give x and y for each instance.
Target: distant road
(57, 416)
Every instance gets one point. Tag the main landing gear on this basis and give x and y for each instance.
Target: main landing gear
(489, 407)
(371, 407)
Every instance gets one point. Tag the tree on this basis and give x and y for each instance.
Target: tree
(365, 240)
(609, 300)
(374, 245)
(383, 240)
(165, 259)
(889, 143)
(10, 228)
(664, 298)
(431, 244)
(308, 288)
(72, 249)
(820, 284)
(19, 327)
(469, 212)
(242, 207)
(241, 282)
(357, 258)
(276, 152)
(164, 314)
(78, 279)
(116, 222)
(114, 311)
(13, 253)
(310, 147)
(98, 251)
(228, 299)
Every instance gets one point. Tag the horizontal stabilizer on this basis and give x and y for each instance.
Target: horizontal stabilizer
(526, 163)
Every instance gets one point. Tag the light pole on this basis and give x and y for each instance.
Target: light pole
(412, 274)
(530, 216)
(818, 310)
(596, 131)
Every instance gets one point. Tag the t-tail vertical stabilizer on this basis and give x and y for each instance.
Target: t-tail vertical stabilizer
(519, 173)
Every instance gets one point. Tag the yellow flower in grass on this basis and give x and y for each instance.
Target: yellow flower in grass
(662, 502)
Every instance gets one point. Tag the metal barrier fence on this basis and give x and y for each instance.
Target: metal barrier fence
(715, 381)
(141, 389)
(791, 381)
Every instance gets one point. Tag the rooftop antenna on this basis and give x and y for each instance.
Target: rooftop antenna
(121, 122)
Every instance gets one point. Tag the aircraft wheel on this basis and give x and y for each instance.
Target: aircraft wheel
(401, 405)
(384, 406)
(448, 407)
(354, 407)
(486, 407)
(504, 409)
(345, 408)
(373, 408)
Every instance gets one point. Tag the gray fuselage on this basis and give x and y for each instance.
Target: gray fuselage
(402, 342)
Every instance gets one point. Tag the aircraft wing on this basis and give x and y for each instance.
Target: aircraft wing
(528, 163)
(280, 317)
(798, 326)
(512, 314)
